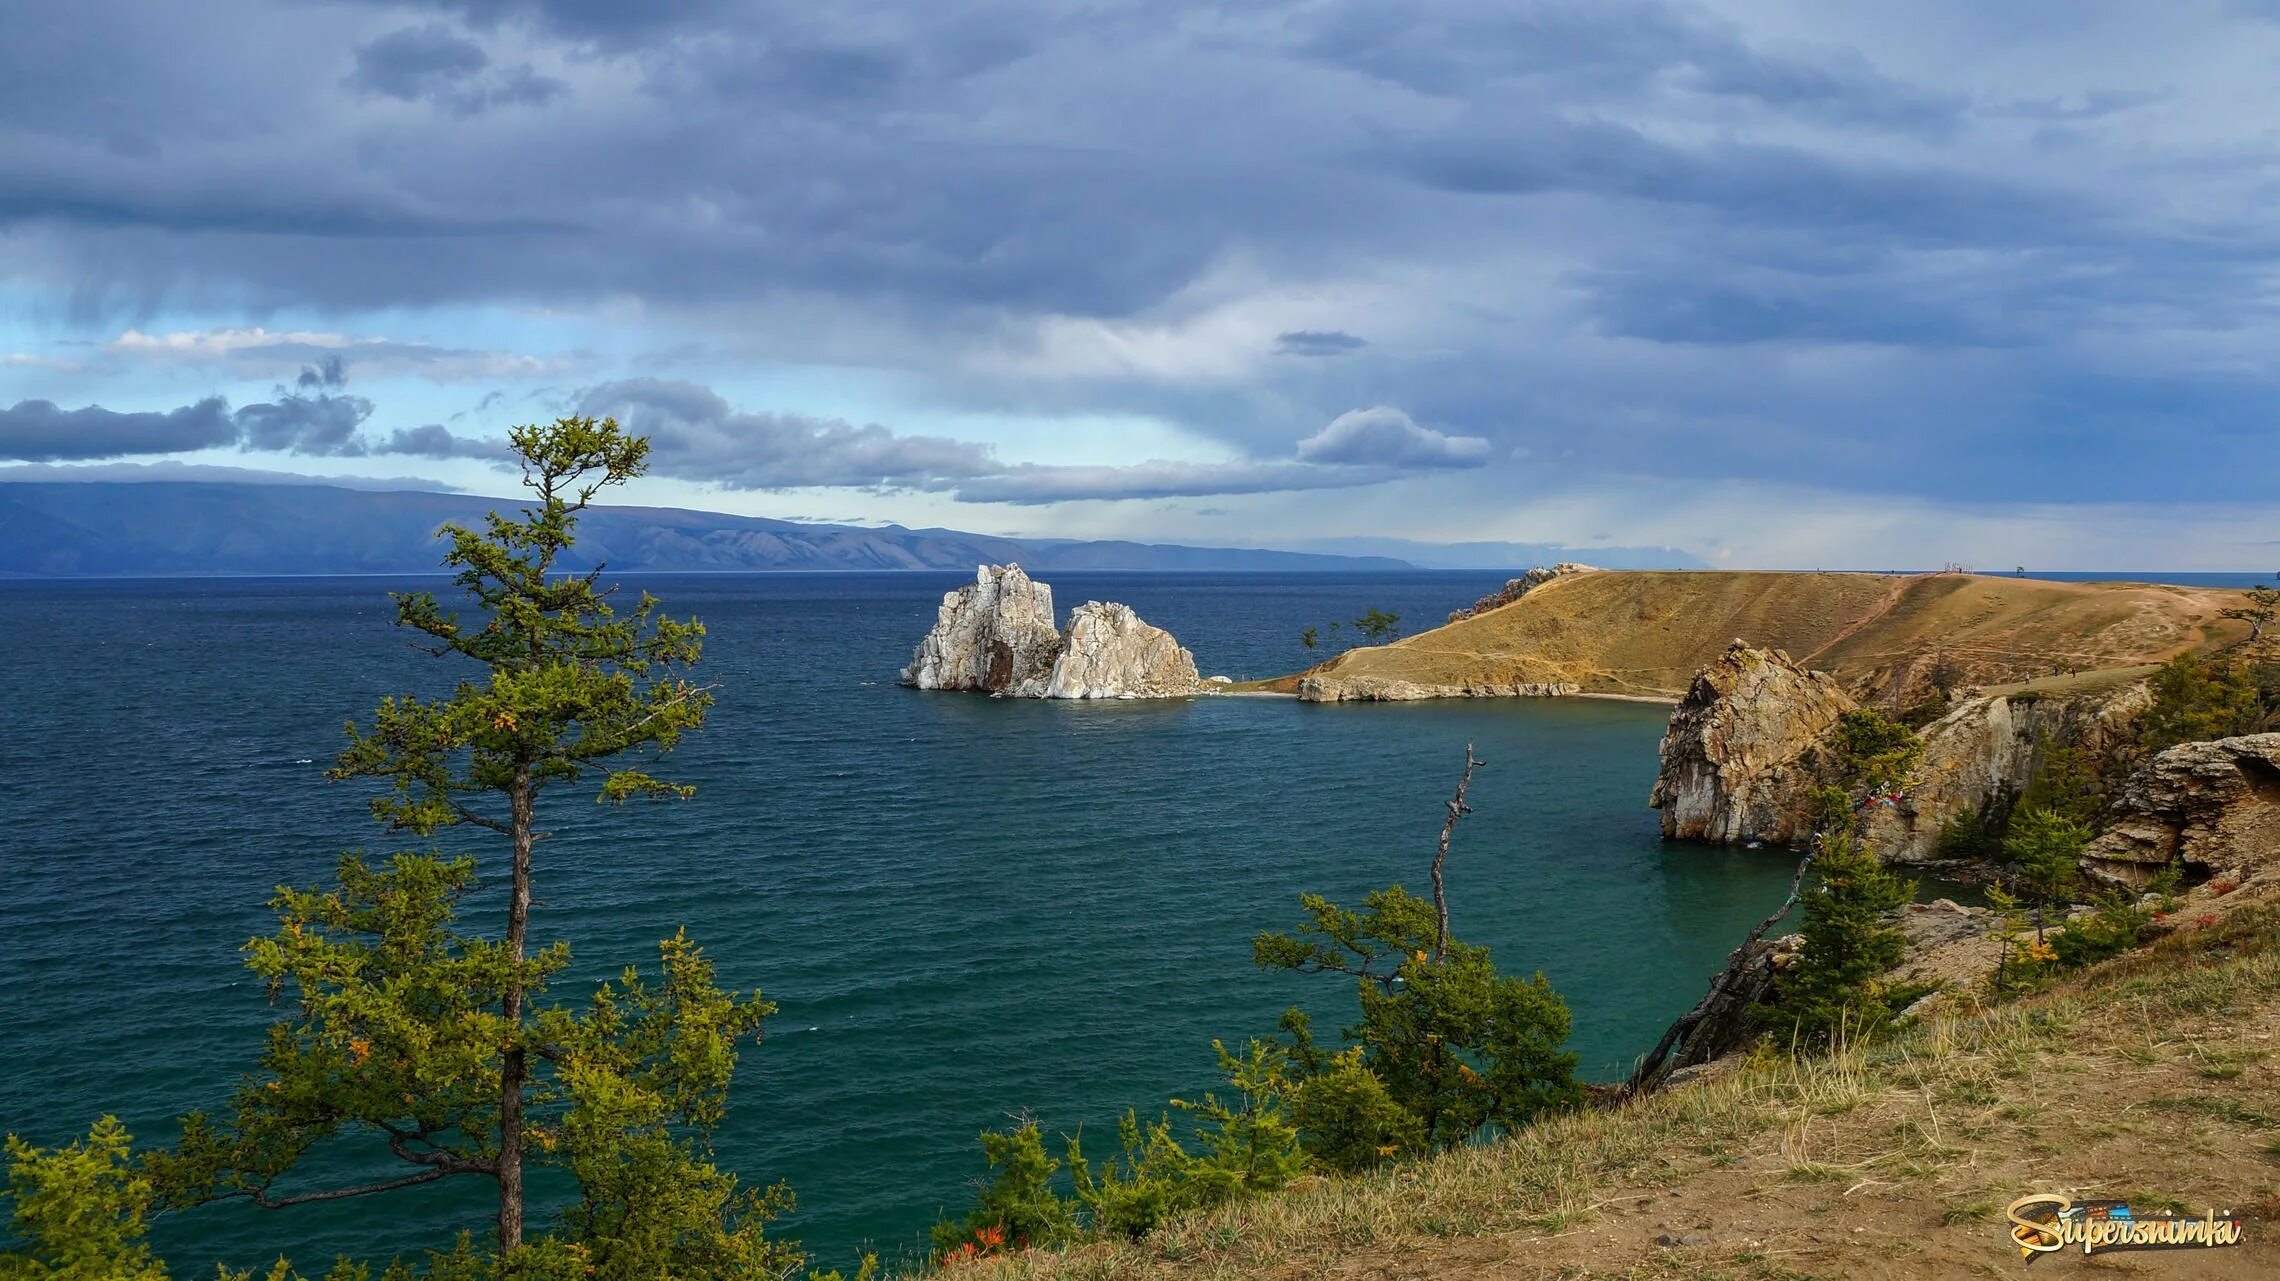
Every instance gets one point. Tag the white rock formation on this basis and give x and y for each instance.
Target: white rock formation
(995, 635)
(1111, 653)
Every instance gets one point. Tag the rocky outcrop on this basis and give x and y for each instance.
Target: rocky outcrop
(1737, 761)
(2206, 808)
(1519, 587)
(994, 636)
(1985, 751)
(1110, 653)
(1328, 688)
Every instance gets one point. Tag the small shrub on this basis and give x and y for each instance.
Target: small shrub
(2117, 925)
(1018, 1206)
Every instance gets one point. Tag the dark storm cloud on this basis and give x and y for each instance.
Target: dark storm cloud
(329, 371)
(417, 61)
(438, 441)
(435, 64)
(296, 424)
(1696, 240)
(1460, 50)
(695, 435)
(39, 431)
(316, 418)
(1317, 342)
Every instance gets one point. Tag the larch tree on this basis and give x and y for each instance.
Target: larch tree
(441, 1048)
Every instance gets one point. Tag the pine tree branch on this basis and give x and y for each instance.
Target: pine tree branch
(262, 1198)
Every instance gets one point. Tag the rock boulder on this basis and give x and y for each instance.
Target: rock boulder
(1111, 653)
(1737, 761)
(994, 635)
(2207, 807)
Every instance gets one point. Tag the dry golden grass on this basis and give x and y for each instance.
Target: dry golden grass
(2148, 1078)
(1647, 632)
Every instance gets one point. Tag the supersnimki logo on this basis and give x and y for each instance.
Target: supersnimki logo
(2045, 1223)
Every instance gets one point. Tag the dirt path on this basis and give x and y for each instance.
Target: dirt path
(1845, 633)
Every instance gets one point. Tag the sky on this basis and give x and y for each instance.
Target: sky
(1774, 283)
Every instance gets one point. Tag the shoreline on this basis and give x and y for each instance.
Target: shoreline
(1655, 699)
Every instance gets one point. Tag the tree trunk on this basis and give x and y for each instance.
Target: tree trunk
(1721, 1019)
(514, 1067)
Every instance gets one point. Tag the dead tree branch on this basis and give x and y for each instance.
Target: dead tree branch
(1650, 1071)
(1457, 809)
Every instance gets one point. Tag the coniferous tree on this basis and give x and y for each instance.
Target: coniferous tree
(1449, 1041)
(2197, 699)
(439, 1046)
(2045, 849)
(1838, 987)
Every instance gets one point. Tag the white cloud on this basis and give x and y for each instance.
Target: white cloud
(1385, 436)
(255, 351)
(25, 360)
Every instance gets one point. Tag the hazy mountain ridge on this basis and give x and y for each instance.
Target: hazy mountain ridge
(118, 529)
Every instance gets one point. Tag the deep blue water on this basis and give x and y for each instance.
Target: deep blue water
(965, 907)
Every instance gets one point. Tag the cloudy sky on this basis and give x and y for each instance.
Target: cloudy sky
(1778, 283)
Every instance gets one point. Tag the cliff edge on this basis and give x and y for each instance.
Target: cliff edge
(1889, 638)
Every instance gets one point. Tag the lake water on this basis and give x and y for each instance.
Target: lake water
(965, 907)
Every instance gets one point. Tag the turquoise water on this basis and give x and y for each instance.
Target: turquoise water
(965, 907)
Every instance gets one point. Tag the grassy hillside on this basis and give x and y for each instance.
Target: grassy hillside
(2150, 1079)
(1646, 632)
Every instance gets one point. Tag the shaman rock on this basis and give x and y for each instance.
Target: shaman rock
(994, 635)
(1738, 759)
(1111, 653)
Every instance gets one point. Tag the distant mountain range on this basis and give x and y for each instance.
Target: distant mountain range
(128, 528)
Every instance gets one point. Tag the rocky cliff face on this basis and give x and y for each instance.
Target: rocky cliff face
(1519, 587)
(1986, 750)
(994, 636)
(1111, 653)
(2212, 808)
(1737, 759)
